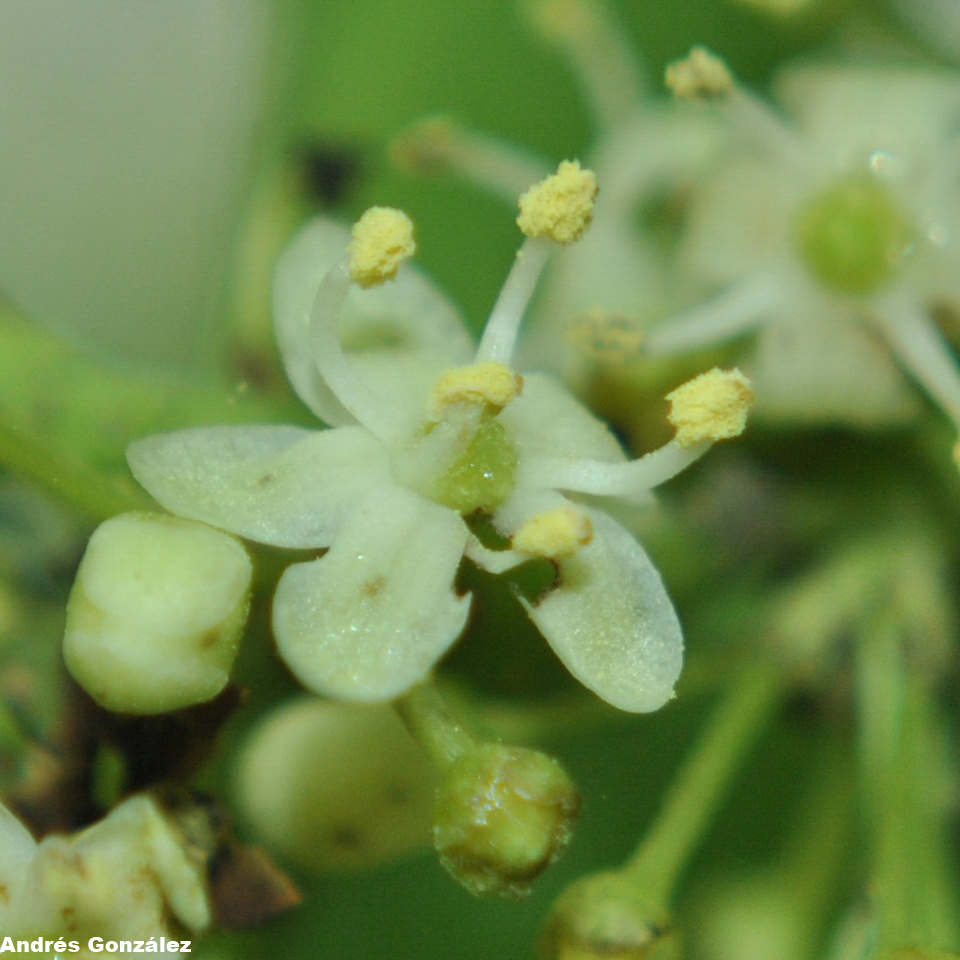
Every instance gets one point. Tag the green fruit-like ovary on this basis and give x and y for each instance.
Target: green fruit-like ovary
(854, 235)
(484, 475)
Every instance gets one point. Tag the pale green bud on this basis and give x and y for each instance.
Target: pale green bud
(155, 615)
(503, 815)
(606, 916)
(332, 786)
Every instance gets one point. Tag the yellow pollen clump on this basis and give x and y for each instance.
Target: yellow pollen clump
(554, 534)
(427, 148)
(699, 76)
(382, 240)
(605, 336)
(712, 406)
(560, 207)
(489, 382)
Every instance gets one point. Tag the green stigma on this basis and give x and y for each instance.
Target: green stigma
(483, 476)
(854, 235)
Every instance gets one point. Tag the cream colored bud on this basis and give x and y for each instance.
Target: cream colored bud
(332, 786)
(155, 614)
(560, 207)
(127, 876)
(602, 917)
(382, 240)
(712, 406)
(700, 75)
(503, 815)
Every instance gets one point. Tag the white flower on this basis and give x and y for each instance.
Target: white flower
(838, 236)
(429, 430)
(129, 875)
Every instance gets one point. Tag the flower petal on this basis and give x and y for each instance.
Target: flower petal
(406, 320)
(279, 485)
(611, 622)
(547, 420)
(371, 617)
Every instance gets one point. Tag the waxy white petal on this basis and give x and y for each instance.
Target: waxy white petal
(371, 617)
(547, 420)
(611, 622)
(279, 485)
(407, 320)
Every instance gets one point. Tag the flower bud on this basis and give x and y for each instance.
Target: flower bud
(155, 614)
(605, 916)
(503, 815)
(333, 786)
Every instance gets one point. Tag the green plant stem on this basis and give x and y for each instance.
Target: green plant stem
(431, 723)
(69, 480)
(695, 794)
(905, 778)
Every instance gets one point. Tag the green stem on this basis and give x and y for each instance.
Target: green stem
(431, 723)
(695, 794)
(69, 480)
(905, 776)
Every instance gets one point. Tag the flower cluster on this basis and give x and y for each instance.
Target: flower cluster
(427, 433)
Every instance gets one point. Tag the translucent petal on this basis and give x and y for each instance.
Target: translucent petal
(279, 485)
(371, 617)
(825, 369)
(547, 420)
(611, 622)
(407, 318)
(856, 111)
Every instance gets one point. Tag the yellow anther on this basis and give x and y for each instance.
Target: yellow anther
(382, 240)
(427, 148)
(560, 207)
(712, 406)
(554, 534)
(956, 454)
(699, 76)
(604, 336)
(489, 383)
(565, 20)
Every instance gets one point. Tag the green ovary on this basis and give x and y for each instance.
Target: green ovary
(854, 235)
(483, 476)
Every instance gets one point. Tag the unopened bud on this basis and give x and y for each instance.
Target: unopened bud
(155, 614)
(503, 815)
(604, 917)
(334, 786)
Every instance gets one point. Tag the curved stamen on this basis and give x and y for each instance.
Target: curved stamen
(742, 307)
(500, 334)
(604, 61)
(603, 478)
(341, 377)
(920, 346)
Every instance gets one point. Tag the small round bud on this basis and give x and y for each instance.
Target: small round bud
(382, 240)
(561, 206)
(700, 75)
(336, 786)
(712, 406)
(603, 917)
(503, 815)
(155, 614)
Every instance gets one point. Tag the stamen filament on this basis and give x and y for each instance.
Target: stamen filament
(603, 478)
(500, 334)
(917, 342)
(741, 308)
(334, 366)
(441, 146)
(431, 723)
(605, 63)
